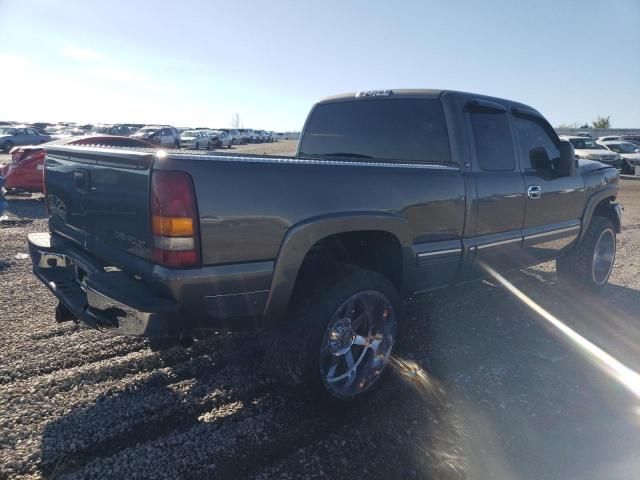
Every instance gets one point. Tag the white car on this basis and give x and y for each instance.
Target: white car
(630, 153)
(196, 139)
(607, 138)
(590, 150)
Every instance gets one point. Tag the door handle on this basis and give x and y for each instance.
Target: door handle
(534, 192)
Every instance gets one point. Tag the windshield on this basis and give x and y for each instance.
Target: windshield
(585, 144)
(624, 147)
(190, 133)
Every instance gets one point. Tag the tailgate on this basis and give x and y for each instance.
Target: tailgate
(99, 198)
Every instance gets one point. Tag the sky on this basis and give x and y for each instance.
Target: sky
(188, 63)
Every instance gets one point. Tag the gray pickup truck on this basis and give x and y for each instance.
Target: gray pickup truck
(390, 194)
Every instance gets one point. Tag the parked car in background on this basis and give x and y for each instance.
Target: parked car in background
(19, 135)
(236, 136)
(584, 134)
(253, 135)
(262, 136)
(588, 149)
(607, 138)
(244, 135)
(161, 135)
(24, 172)
(40, 130)
(67, 132)
(632, 138)
(220, 138)
(630, 153)
(195, 139)
(117, 129)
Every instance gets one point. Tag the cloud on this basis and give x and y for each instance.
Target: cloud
(81, 54)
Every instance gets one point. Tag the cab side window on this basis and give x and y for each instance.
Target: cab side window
(534, 140)
(494, 144)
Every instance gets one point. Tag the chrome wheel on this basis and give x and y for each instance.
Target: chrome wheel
(603, 256)
(357, 343)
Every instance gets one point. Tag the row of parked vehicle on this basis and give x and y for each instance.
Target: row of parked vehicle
(203, 138)
(622, 151)
(12, 135)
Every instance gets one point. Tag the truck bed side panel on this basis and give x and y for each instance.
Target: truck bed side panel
(247, 206)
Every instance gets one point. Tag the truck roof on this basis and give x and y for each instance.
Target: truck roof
(418, 93)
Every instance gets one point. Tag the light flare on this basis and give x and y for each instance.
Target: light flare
(613, 367)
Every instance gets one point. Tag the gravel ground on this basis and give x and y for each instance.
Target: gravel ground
(481, 388)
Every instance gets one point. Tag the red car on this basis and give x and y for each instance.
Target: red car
(24, 173)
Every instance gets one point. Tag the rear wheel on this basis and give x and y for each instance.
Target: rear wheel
(197, 146)
(338, 343)
(590, 263)
(627, 169)
(7, 146)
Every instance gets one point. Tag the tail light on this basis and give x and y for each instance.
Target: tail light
(174, 220)
(16, 153)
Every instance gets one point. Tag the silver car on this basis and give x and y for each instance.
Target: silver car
(220, 138)
(13, 136)
(196, 139)
(630, 153)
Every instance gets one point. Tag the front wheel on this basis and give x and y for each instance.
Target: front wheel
(7, 146)
(590, 263)
(344, 336)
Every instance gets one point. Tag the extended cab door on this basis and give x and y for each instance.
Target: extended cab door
(500, 188)
(554, 203)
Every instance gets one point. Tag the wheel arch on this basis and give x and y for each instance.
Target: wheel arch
(300, 239)
(601, 204)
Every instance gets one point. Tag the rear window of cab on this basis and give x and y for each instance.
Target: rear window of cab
(390, 129)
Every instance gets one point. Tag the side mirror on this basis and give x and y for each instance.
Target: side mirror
(565, 165)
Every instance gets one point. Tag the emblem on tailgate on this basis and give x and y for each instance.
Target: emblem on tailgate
(129, 240)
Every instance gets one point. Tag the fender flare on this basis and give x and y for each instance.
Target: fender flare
(592, 204)
(301, 237)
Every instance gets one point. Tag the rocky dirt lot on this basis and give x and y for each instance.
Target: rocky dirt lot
(481, 388)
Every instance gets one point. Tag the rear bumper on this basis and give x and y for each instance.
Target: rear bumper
(155, 303)
(101, 299)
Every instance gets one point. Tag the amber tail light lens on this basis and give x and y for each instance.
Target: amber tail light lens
(174, 220)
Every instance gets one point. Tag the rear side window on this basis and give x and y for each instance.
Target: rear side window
(400, 130)
(494, 144)
(532, 137)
